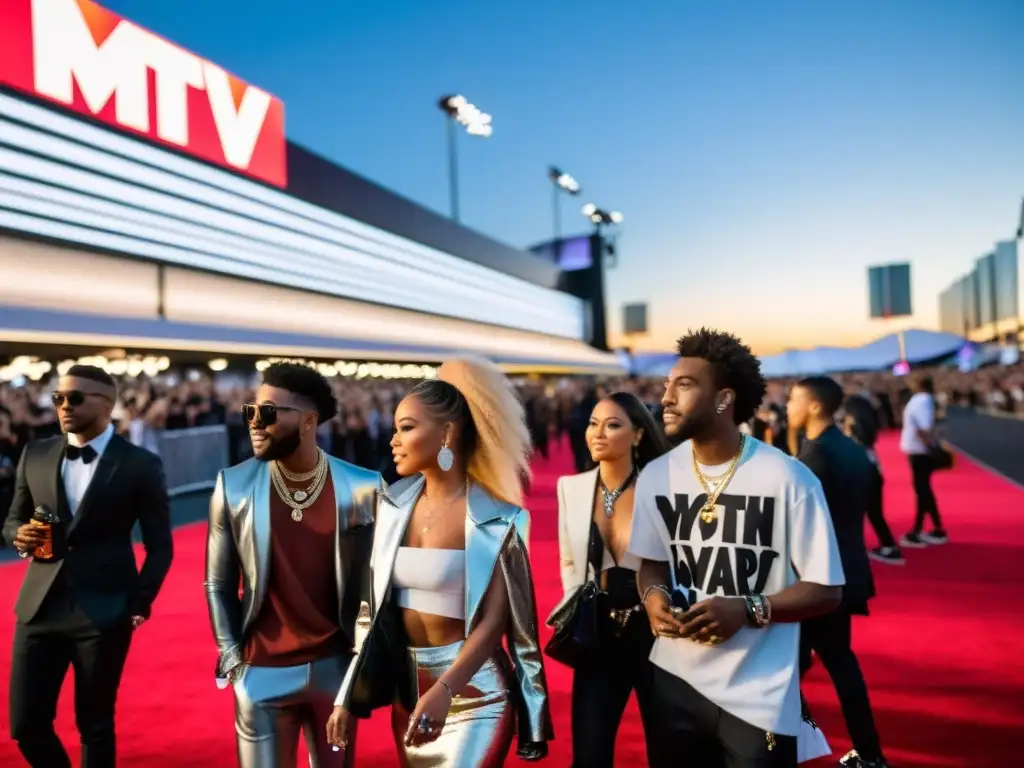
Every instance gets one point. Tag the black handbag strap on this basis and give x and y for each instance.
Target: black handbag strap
(595, 551)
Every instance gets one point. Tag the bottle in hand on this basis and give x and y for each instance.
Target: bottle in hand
(44, 519)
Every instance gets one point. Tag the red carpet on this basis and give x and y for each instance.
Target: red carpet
(941, 651)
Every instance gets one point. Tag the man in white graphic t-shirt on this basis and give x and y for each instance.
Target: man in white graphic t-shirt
(740, 533)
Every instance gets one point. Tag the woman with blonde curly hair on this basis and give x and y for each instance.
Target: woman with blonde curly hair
(451, 580)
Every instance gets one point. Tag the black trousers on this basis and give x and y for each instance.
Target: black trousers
(921, 469)
(875, 513)
(600, 692)
(59, 636)
(692, 730)
(829, 637)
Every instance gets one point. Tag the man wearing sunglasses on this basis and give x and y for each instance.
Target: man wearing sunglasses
(295, 527)
(80, 608)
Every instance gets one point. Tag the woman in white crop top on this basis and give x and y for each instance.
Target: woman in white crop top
(595, 515)
(451, 580)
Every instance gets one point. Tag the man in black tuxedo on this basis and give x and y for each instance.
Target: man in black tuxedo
(846, 474)
(81, 608)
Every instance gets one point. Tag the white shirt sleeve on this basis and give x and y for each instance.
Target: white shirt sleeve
(648, 537)
(924, 419)
(812, 540)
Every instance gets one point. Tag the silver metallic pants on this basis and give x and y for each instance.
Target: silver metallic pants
(274, 704)
(480, 725)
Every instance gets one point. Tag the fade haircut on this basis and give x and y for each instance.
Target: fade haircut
(735, 367)
(93, 373)
(304, 382)
(825, 391)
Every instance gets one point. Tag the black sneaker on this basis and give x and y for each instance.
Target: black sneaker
(853, 760)
(935, 537)
(913, 540)
(890, 555)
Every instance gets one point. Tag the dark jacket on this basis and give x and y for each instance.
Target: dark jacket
(847, 477)
(98, 562)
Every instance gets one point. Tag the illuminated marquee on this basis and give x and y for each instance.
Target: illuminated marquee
(92, 61)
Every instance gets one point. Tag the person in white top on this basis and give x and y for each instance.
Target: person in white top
(595, 515)
(450, 581)
(916, 440)
(738, 548)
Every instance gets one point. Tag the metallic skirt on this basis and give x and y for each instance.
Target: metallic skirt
(481, 722)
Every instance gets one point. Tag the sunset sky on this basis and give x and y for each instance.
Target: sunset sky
(764, 154)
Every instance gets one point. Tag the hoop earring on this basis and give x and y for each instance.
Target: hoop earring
(721, 408)
(445, 457)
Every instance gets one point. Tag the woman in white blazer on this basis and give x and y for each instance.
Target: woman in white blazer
(595, 514)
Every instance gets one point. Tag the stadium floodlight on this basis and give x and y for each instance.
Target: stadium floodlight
(560, 182)
(460, 111)
(601, 217)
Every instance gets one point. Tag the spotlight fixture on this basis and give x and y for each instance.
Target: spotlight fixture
(601, 217)
(564, 181)
(468, 115)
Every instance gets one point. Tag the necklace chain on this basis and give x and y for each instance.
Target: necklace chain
(431, 521)
(302, 498)
(714, 486)
(609, 496)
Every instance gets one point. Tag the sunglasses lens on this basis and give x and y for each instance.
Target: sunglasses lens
(267, 412)
(74, 398)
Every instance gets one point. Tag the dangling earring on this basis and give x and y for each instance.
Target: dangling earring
(636, 455)
(445, 457)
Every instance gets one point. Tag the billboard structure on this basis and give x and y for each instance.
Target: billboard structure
(889, 296)
(634, 319)
(95, 63)
(889, 291)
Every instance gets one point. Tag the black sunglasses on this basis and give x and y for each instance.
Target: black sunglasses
(74, 398)
(267, 412)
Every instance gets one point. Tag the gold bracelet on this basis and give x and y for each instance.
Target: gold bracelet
(451, 696)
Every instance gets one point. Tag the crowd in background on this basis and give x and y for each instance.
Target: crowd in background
(360, 433)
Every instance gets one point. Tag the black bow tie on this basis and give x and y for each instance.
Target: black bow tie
(86, 454)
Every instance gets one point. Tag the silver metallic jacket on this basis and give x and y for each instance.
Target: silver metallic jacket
(496, 536)
(238, 547)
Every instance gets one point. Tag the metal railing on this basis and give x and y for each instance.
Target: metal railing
(192, 457)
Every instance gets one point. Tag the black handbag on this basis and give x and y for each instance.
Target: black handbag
(941, 457)
(576, 639)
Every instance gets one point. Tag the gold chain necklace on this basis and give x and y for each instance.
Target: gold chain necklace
(433, 512)
(710, 511)
(300, 499)
(302, 477)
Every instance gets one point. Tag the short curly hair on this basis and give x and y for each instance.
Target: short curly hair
(307, 383)
(735, 367)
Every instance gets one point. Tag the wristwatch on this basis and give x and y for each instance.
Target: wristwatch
(759, 611)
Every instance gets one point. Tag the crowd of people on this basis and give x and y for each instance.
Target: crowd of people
(722, 539)
(557, 408)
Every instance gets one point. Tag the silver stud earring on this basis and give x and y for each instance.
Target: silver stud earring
(721, 408)
(445, 457)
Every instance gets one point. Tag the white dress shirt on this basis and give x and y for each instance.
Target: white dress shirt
(77, 474)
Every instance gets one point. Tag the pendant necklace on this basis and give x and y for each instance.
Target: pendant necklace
(300, 499)
(431, 522)
(609, 496)
(713, 487)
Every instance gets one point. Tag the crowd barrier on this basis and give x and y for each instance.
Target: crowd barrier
(192, 457)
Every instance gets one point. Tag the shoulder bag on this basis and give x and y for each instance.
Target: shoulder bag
(576, 637)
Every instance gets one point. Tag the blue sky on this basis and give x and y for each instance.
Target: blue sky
(763, 153)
